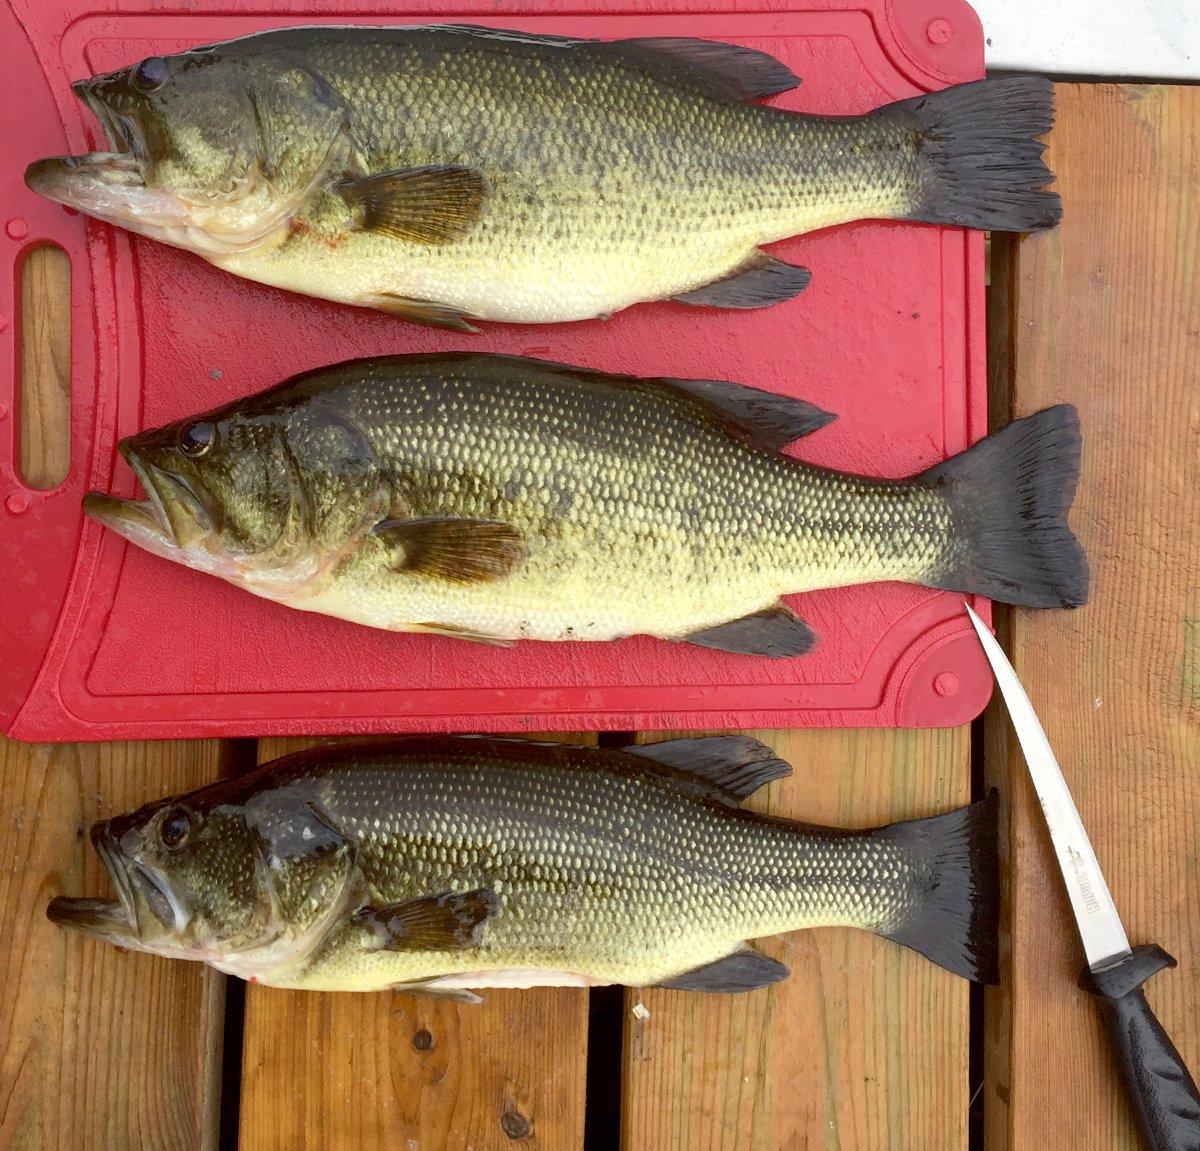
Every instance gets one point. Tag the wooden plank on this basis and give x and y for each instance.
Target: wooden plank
(45, 396)
(98, 1049)
(1107, 316)
(407, 1073)
(865, 1046)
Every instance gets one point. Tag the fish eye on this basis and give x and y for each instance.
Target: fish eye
(197, 438)
(150, 74)
(175, 828)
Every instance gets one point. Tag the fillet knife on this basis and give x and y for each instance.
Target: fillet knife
(1161, 1091)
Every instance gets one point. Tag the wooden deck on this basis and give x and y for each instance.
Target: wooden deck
(867, 1045)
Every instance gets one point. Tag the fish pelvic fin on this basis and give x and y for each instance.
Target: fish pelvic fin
(953, 917)
(1009, 497)
(979, 159)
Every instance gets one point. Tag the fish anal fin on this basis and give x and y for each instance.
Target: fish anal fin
(776, 632)
(772, 420)
(427, 312)
(743, 970)
(733, 766)
(730, 71)
(432, 205)
(460, 551)
(448, 921)
(758, 283)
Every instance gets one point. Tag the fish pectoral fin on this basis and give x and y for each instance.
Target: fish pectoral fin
(432, 205)
(744, 970)
(731, 766)
(758, 283)
(461, 551)
(776, 631)
(726, 70)
(448, 921)
(772, 420)
(427, 312)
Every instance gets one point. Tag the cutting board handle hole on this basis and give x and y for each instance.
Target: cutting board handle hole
(44, 381)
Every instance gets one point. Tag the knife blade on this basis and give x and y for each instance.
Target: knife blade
(1161, 1091)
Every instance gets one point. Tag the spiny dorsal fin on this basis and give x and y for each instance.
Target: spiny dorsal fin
(432, 205)
(744, 970)
(447, 921)
(727, 70)
(771, 420)
(731, 766)
(459, 551)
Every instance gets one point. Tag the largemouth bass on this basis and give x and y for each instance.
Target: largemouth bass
(498, 499)
(449, 864)
(456, 173)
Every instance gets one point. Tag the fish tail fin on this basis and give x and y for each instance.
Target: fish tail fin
(953, 915)
(979, 160)
(1009, 496)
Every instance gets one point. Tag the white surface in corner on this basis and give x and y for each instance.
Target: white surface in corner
(1157, 39)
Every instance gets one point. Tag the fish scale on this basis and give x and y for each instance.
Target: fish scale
(608, 871)
(449, 174)
(642, 190)
(611, 480)
(442, 865)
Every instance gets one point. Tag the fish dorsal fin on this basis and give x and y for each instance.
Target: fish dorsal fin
(460, 551)
(770, 420)
(432, 205)
(448, 921)
(727, 70)
(744, 970)
(729, 766)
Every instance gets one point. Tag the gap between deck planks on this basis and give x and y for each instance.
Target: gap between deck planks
(1106, 315)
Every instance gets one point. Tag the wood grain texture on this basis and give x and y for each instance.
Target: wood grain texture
(1106, 316)
(399, 1072)
(98, 1049)
(45, 394)
(865, 1045)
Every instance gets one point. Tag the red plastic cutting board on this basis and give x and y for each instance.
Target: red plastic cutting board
(99, 640)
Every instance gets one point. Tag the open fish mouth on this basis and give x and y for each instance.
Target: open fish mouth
(172, 518)
(113, 185)
(139, 889)
(112, 920)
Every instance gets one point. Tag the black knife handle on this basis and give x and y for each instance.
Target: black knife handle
(1163, 1093)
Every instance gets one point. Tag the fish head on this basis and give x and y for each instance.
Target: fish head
(242, 876)
(206, 150)
(187, 882)
(259, 492)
